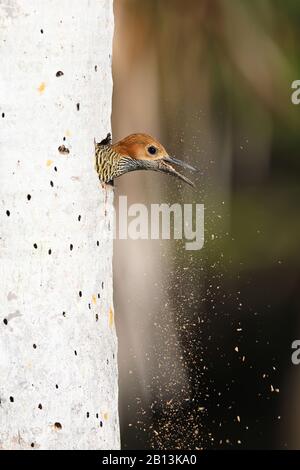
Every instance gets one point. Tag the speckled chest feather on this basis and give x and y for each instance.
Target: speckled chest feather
(110, 164)
(107, 163)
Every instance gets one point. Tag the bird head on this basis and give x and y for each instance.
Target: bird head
(149, 154)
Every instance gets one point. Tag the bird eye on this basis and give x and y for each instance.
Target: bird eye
(152, 150)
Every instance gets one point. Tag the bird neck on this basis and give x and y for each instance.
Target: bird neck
(127, 164)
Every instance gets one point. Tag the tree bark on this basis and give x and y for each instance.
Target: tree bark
(58, 368)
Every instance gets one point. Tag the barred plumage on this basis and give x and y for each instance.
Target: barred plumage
(106, 163)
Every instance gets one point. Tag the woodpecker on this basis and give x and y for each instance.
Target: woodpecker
(134, 152)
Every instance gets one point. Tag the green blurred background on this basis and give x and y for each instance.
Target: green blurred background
(205, 337)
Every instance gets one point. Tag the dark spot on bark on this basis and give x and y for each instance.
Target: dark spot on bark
(97, 317)
(87, 414)
(55, 168)
(102, 285)
(63, 149)
(42, 31)
(96, 68)
(8, 213)
(71, 247)
(3, 115)
(89, 306)
(40, 406)
(51, 184)
(64, 139)
(34, 346)
(97, 416)
(28, 197)
(5, 321)
(98, 243)
(78, 106)
(101, 424)
(56, 386)
(59, 73)
(64, 314)
(80, 293)
(79, 218)
(107, 361)
(57, 425)
(35, 245)
(49, 251)
(11, 399)
(98, 296)
(32, 444)
(75, 352)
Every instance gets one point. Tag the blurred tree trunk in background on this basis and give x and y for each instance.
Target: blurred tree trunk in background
(147, 336)
(57, 338)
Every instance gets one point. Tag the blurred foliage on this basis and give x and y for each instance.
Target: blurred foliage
(224, 70)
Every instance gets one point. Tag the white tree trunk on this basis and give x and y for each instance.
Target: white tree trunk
(58, 372)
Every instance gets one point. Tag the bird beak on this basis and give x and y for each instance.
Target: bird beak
(180, 163)
(165, 167)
